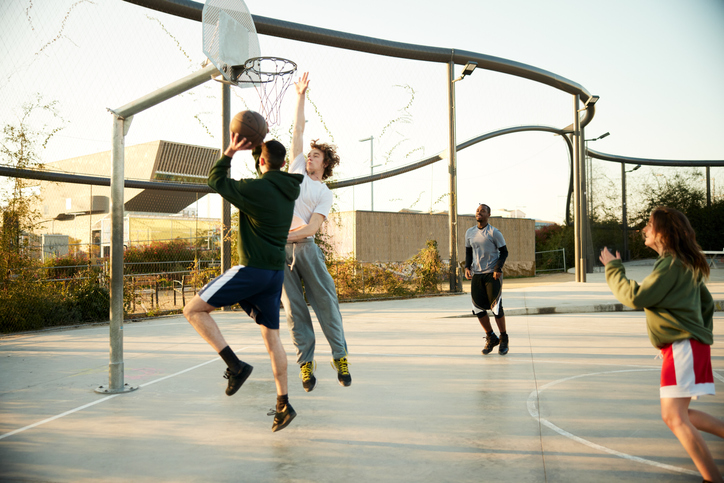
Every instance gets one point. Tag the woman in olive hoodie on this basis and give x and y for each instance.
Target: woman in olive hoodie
(679, 318)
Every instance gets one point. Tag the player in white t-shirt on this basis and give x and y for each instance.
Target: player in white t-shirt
(305, 261)
(485, 254)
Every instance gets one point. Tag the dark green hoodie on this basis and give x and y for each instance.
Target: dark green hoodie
(266, 208)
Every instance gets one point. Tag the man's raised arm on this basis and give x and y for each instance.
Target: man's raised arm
(298, 130)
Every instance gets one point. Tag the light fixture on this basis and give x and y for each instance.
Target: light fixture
(606, 134)
(591, 101)
(467, 70)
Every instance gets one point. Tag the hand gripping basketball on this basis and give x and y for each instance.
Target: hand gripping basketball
(250, 125)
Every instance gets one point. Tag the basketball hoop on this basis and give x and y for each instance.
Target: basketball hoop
(271, 77)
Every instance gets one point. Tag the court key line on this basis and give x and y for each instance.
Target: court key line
(533, 411)
(104, 399)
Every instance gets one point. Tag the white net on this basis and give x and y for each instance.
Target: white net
(271, 77)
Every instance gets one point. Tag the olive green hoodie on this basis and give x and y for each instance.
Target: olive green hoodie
(677, 306)
(266, 208)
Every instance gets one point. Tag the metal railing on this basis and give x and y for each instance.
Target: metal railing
(551, 261)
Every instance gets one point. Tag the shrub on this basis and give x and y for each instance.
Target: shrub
(31, 303)
(426, 268)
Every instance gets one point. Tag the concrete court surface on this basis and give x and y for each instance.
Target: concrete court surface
(576, 399)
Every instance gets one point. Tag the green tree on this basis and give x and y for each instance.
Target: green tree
(20, 147)
(682, 191)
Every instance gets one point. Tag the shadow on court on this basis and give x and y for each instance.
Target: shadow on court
(576, 399)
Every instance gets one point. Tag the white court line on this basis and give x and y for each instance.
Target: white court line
(80, 408)
(106, 398)
(536, 415)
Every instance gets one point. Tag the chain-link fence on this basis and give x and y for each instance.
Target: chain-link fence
(69, 284)
(550, 261)
(161, 276)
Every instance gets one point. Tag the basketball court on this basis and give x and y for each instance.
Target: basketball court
(576, 399)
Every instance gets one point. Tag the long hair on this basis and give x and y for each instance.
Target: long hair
(679, 240)
(331, 158)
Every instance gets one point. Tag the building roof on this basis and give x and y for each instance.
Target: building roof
(156, 160)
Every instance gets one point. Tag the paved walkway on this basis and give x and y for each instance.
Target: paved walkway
(576, 399)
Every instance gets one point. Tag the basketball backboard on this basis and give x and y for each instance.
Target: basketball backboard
(229, 35)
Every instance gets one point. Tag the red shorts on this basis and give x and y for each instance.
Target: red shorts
(686, 371)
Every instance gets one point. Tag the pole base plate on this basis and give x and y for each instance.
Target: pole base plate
(108, 390)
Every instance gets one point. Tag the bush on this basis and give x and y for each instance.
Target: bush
(427, 268)
(66, 266)
(137, 258)
(420, 274)
(31, 303)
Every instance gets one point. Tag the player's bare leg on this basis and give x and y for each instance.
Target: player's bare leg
(284, 411)
(198, 313)
(675, 413)
(501, 324)
(706, 422)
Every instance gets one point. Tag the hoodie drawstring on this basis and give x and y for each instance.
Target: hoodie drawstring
(294, 256)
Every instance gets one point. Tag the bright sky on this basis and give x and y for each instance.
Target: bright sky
(657, 65)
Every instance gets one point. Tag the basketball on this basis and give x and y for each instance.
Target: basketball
(250, 125)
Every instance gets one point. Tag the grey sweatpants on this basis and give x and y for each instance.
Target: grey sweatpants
(318, 284)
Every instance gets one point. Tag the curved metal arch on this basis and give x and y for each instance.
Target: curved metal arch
(203, 188)
(333, 38)
(615, 158)
(466, 144)
(441, 155)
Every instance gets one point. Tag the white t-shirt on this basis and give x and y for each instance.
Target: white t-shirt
(314, 196)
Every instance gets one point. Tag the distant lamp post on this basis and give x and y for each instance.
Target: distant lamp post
(455, 286)
(589, 169)
(371, 139)
(624, 220)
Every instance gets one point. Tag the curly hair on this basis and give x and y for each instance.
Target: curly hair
(331, 158)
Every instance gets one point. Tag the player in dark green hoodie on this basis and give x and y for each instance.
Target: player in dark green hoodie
(266, 207)
(679, 318)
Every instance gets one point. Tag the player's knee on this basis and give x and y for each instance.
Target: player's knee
(195, 306)
(188, 311)
(672, 419)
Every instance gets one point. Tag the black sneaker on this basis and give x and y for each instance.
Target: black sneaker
(307, 376)
(503, 349)
(283, 418)
(236, 380)
(342, 368)
(490, 342)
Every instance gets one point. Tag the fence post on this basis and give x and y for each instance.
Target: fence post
(565, 270)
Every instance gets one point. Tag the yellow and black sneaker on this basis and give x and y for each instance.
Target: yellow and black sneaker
(342, 368)
(307, 375)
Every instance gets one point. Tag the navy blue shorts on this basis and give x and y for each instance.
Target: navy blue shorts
(258, 291)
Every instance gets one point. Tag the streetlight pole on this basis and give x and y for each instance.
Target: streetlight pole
(371, 139)
(589, 162)
(624, 219)
(452, 169)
